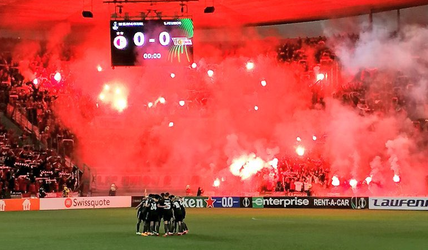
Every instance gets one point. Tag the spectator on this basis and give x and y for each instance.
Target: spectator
(200, 191)
(188, 190)
(65, 191)
(113, 189)
(42, 193)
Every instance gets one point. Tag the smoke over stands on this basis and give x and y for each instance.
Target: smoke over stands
(168, 127)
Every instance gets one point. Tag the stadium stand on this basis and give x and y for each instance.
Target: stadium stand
(30, 104)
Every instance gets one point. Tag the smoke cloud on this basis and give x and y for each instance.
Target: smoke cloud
(154, 142)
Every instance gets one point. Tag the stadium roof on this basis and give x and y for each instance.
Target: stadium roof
(39, 13)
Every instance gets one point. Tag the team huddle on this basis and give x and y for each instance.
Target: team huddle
(154, 208)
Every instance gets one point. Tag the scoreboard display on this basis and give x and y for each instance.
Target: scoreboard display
(163, 42)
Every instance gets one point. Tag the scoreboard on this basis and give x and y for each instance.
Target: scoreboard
(163, 42)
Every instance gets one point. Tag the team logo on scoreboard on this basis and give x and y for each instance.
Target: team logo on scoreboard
(115, 27)
(181, 41)
(120, 42)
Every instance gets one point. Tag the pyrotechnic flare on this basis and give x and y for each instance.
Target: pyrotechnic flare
(249, 66)
(335, 181)
(368, 179)
(300, 150)
(320, 77)
(216, 183)
(57, 77)
(353, 183)
(396, 178)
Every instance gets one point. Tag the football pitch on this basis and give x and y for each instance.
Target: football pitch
(219, 229)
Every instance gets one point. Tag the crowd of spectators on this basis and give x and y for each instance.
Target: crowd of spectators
(312, 172)
(369, 91)
(25, 170)
(31, 163)
(310, 58)
(34, 99)
(305, 51)
(296, 175)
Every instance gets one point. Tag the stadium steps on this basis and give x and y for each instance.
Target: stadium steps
(10, 124)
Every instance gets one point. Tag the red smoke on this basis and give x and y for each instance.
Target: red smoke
(138, 148)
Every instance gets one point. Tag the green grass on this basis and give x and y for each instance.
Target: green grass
(219, 229)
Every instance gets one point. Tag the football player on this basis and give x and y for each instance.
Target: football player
(161, 206)
(141, 214)
(183, 209)
(153, 216)
(167, 214)
(178, 215)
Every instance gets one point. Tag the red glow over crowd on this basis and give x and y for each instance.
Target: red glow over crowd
(297, 117)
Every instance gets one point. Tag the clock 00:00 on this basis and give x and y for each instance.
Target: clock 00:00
(152, 56)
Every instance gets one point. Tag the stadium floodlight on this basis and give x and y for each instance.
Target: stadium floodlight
(209, 9)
